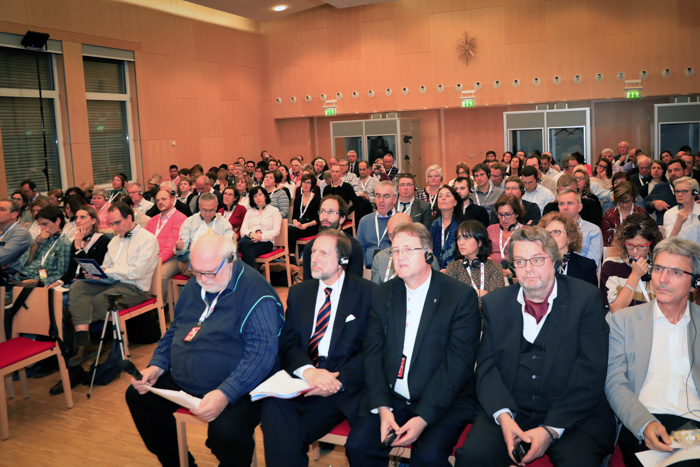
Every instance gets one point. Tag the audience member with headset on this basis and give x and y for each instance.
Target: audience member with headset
(653, 375)
(509, 212)
(569, 240)
(433, 182)
(222, 344)
(514, 186)
(484, 194)
(305, 212)
(624, 279)
(408, 202)
(541, 366)
(49, 256)
(470, 210)
(687, 211)
(15, 240)
(444, 228)
(472, 264)
(261, 225)
(624, 196)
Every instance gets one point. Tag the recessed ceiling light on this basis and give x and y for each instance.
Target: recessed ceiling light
(280, 8)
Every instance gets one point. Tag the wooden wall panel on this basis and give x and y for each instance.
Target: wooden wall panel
(314, 70)
(281, 44)
(346, 76)
(376, 12)
(609, 55)
(154, 80)
(412, 27)
(82, 172)
(650, 51)
(379, 61)
(313, 18)
(248, 49)
(606, 17)
(89, 16)
(284, 82)
(53, 14)
(524, 21)
(186, 130)
(566, 52)
(211, 151)
(156, 31)
(488, 26)
(208, 41)
(124, 22)
(474, 4)
(567, 90)
(411, 75)
(344, 34)
(13, 11)
(688, 12)
(445, 29)
(688, 46)
(525, 61)
(446, 6)
(75, 86)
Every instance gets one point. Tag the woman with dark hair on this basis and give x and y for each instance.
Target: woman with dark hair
(510, 215)
(658, 175)
(507, 157)
(74, 190)
(624, 196)
(666, 156)
(603, 174)
(444, 227)
(583, 183)
(25, 216)
(34, 208)
(569, 239)
(286, 183)
(515, 167)
(118, 188)
(279, 196)
(258, 176)
(232, 210)
(261, 225)
(472, 264)
(305, 212)
(625, 279)
(243, 184)
(71, 205)
(221, 180)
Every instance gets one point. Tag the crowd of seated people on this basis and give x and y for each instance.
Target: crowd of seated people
(586, 248)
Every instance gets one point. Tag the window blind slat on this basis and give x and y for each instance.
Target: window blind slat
(108, 140)
(18, 69)
(103, 75)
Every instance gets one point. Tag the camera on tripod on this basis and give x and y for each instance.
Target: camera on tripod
(113, 298)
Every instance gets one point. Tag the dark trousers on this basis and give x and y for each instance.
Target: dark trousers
(295, 234)
(230, 435)
(431, 449)
(485, 445)
(629, 444)
(290, 425)
(250, 250)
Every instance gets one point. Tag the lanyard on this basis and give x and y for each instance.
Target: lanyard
(644, 290)
(46, 255)
(376, 228)
(432, 199)
(7, 231)
(114, 195)
(478, 200)
(469, 271)
(161, 223)
(442, 233)
(502, 245)
(364, 185)
(406, 206)
(304, 208)
(209, 309)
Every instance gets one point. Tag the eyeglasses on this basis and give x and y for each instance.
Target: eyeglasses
(404, 251)
(625, 203)
(332, 213)
(209, 211)
(116, 223)
(555, 233)
(636, 247)
(405, 185)
(673, 272)
(536, 261)
(384, 196)
(505, 215)
(207, 275)
(682, 192)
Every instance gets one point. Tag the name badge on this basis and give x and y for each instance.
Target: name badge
(402, 367)
(191, 335)
(42, 274)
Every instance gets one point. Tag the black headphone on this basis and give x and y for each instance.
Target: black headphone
(429, 257)
(229, 258)
(510, 227)
(475, 263)
(343, 261)
(128, 234)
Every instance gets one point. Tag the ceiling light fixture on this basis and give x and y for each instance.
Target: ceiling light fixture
(280, 8)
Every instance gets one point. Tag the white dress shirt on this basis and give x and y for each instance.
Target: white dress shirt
(541, 196)
(132, 260)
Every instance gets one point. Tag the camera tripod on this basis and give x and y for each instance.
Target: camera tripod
(117, 335)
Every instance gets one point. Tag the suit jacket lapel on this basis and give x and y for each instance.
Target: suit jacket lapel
(396, 326)
(557, 315)
(308, 312)
(643, 328)
(432, 300)
(345, 307)
(692, 339)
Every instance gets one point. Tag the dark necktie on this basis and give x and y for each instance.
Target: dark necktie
(405, 207)
(322, 319)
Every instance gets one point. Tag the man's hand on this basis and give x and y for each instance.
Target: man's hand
(149, 376)
(410, 431)
(179, 245)
(511, 433)
(42, 236)
(325, 383)
(213, 403)
(386, 423)
(256, 237)
(656, 437)
(90, 276)
(660, 205)
(539, 444)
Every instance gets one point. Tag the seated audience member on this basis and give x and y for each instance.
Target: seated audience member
(603, 174)
(470, 210)
(535, 161)
(28, 189)
(15, 240)
(686, 212)
(472, 264)
(624, 196)
(202, 185)
(389, 168)
(642, 174)
(666, 156)
(444, 228)
(661, 198)
(295, 171)
(591, 211)
(261, 226)
(367, 184)
(244, 184)
(71, 205)
(462, 171)
(484, 193)
(179, 205)
(584, 186)
(135, 192)
(99, 201)
(514, 168)
(119, 183)
(515, 187)
(88, 243)
(286, 183)
(336, 186)
(569, 239)
(206, 221)
(186, 191)
(55, 197)
(558, 407)
(140, 218)
(221, 180)
(419, 353)
(433, 183)
(625, 177)
(624, 279)
(48, 257)
(219, 355)
(232, 210)
(25, 215)
(174, 174)
(657, 175)
(534, 191)
(304, 213)
(653, 378)
(332, 215)
(130, 262)
(420, 211)
(258, 176)
(371, 233)
(34, 208)
(321, 342)
(279, 197)
(592, 246)
(378, 171)
(509, 212)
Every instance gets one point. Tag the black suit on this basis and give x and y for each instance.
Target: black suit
(582, 268)
(289, 426)
(663, 192)
(357, 258)
(354, 168)
(574, 353)
(440, 377)
(476, 213)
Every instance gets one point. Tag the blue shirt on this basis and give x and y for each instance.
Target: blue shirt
(592, 241)
(372, 235)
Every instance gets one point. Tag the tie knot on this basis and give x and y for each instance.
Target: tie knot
(328, 291)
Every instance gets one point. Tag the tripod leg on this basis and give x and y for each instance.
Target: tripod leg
(119, 334)
(99, 351)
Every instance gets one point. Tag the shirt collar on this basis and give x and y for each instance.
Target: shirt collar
(552, 295)
(658, 315)
(423, 288)
(337, 285)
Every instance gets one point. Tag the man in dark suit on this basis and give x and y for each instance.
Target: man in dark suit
(541, 366)
(203, 185)
(515, 187)
(321, 342)
(420, 347)
(470, 210)
(353, 163)
(418, 209)
(641, 175)
(662, 197)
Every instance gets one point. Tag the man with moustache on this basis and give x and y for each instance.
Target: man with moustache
(221, 345)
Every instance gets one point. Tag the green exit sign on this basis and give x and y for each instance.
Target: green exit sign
(329, 112)
(469, 103)
(634, 94)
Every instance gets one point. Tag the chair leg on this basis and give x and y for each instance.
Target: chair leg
(65, 378)
(289, 272)
(161, 320)
(4, 424)
(267, 272)
(254, 462)
(23, 380)
(171, 300)
(10, 386)
(315, 450)
(182, 442)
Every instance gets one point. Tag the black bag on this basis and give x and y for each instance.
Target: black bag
(109, 370)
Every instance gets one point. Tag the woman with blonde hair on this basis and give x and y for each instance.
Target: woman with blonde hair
(433, 183)
(569, 240)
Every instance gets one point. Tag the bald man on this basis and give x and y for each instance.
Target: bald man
(382, 266)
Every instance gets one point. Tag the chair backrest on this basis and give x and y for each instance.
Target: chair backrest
(34, 319)
(157, 281)
(282, 239)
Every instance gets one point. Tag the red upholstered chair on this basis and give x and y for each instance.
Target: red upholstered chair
(280, 249)
(19, 352)
(350, 224)
(177, 281)
(153, 303)
(301, 242)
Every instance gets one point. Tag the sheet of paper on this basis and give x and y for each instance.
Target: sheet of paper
(664, 459)
(280, 385)
(179, 397)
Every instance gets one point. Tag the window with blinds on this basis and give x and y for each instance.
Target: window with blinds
(103, 75)
(18, 69)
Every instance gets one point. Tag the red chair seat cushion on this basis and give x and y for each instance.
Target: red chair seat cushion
(126, 311)
(184, 411)
(180, 277)
(272, 253)
(341, 429)
(306, 239)
(20, 348)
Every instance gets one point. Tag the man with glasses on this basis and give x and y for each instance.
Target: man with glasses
(516, 187)
(221, 346)
(654, 359)
(371, 233)
(332, 215)
(420, 348)
(353, 163)
(541, 366)
(135, 192)
(130, 262)
(417, 209)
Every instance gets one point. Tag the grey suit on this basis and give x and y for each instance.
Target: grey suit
(631, 332)
(420, 212)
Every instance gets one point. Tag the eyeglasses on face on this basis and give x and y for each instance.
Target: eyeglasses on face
(535, 261)
(636, 247)
(555, 233)
(505, 215)
(673, 272)
(207, 275)
(404, 251)
(327, 212)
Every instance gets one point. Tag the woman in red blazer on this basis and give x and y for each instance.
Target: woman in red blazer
(233, 211)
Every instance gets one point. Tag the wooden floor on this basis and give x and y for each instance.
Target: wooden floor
(98, 431)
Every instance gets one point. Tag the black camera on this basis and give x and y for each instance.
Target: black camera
(113, 298)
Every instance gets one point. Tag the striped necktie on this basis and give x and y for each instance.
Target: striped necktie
(322, 319)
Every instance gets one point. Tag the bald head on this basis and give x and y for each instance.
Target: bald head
(396, 219)
(209, 256)
(202, 184)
